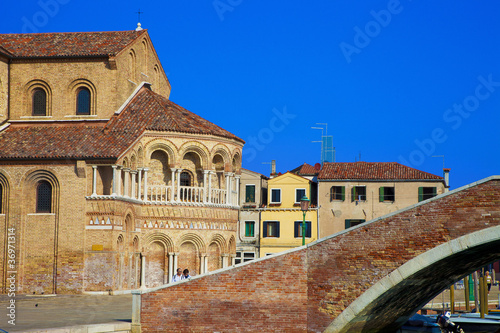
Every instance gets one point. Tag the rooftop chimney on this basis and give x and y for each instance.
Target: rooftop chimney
(446, 175)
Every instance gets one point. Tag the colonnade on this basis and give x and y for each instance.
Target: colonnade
(133, 184)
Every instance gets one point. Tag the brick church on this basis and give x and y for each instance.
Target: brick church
(105, 184)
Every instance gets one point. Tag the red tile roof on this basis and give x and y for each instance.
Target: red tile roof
(307, 170)
(70, 44)
(373, 171)
(79, 139)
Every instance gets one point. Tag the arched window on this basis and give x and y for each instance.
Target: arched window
(39, 102)
(43, 197)
(83, 101)
(185, 179)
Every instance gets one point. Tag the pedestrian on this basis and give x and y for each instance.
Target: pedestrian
(178, 276)
(185, 274)
(488, 280)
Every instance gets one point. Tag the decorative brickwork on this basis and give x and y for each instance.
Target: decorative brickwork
(385, 269)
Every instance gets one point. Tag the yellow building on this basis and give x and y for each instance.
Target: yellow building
(281, 220)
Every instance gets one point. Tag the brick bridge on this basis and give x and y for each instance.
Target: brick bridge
(369, 278)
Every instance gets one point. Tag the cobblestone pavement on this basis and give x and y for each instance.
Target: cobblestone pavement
(52, 311)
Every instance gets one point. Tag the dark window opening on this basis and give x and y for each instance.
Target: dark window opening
(298, 229)
(425, 193)
(39, 102)
(337, 193)
(83, 101)
(359, 193)
(387, 194)
(352, 222)
(185, 179)
(299, 193)
(271, 229)
(43, 197)
(275, 195)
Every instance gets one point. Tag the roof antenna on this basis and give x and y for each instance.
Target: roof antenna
(139, 28)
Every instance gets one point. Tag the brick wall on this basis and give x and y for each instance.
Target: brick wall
(266, 296)
(322, 280)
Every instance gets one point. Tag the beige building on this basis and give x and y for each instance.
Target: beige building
(352, 193)
(253, 189)
(105, 184)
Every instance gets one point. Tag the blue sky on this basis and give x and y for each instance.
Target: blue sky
(395, 80)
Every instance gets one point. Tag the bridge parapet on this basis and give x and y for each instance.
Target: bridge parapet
(366, 278)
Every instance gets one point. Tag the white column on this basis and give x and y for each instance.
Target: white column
(205, 260)
(134, 173)
(143, 272)
(126, 190)
(237, 203)
(139, 189)
(146, 184)
(206, 175)
(170, 267)
(178, 185)
(228, 189)
(94, 181)
(202, 263)
(210, 174)
(176, 255)
(114, 180)
(225, 258)
(118, 180)
(173, 183)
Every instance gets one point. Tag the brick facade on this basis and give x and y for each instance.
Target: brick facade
(274, 294)
(140, 181)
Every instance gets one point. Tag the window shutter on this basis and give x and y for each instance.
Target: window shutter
(296, 229)
(420, 194)
(250, 193)
(381, 194)
(347, 224)
(353, 193)
(264, 229)
(343, 193)
(308, 229)
(277, 229)
(434, 191)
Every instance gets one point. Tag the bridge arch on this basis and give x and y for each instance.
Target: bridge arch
(417, 282)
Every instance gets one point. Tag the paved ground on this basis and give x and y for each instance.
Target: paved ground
(38, 312)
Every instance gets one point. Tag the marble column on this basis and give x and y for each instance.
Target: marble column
(114, 180)
(126, 190)
(139, 186)
(170, 266)
(94, 180)
(173, 170)
(133, 173)
(146, 184)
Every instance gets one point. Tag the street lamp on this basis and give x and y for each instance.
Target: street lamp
(304, 207)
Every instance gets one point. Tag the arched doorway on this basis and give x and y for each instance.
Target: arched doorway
(189, 258)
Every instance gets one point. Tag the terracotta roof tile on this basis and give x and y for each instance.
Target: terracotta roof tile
(75, 140)
(69, 44)
(373, 171)
(307, 170)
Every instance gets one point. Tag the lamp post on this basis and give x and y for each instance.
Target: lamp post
(304, 207)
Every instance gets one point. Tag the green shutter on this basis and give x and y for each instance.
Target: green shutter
(434, 191)
(353, 193)
(343, 193)
(347, 224)
(278, 229)
(250, 193)
(381, 193)
(264, 230)
(420, 194)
